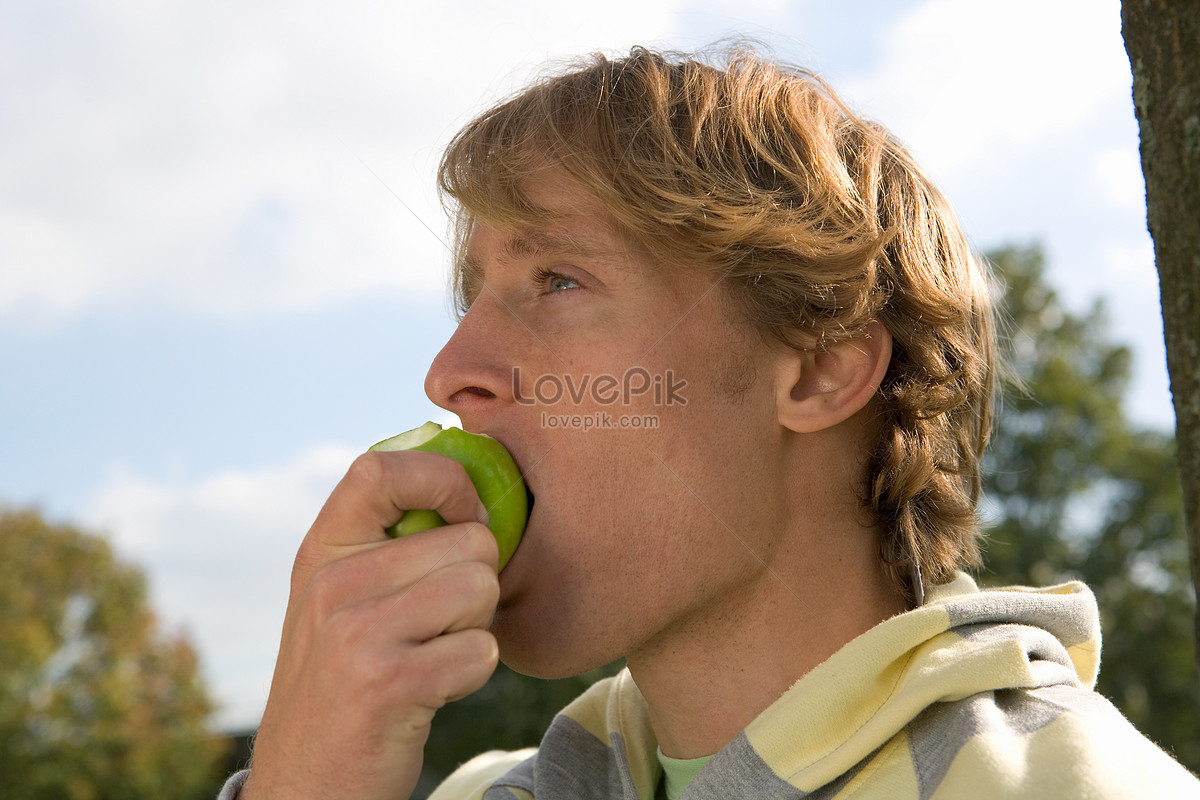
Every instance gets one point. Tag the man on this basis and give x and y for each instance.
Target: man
(776, 548)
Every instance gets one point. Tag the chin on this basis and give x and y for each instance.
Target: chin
(541, 650)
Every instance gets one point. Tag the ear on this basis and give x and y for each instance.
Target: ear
(816, 390)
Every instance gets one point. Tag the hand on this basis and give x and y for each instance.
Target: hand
(379, 634)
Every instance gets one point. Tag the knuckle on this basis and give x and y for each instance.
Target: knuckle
(450, 589)
(413, 682)
(481, 544)
(321, 592)
(476, 648)
(462, 481)
(450, 481)
(327, 588)
(367, 469)
(432, 677)
(306, 564)
(472, 662)
(372, 669)
(478, 580)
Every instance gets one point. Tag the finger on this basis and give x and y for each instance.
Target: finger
(379, 487)
(452, 666)
(440, 547)
(396, 566)
(452, 598)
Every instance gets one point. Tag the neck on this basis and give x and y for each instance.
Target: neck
(706, 679)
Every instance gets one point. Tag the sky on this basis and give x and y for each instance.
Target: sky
(221, 262)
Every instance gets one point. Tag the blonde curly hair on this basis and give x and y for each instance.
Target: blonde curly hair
(816, 220)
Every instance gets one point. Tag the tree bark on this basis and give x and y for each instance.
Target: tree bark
(1162, 39)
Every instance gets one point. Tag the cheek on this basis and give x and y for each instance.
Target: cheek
(622, 505)
(725, 471)
(655, 503)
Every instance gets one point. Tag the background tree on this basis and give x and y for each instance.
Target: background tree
(95, 700)
(1074, 490)
(1162, 38)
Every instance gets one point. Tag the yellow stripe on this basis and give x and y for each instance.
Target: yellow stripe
(853, 695)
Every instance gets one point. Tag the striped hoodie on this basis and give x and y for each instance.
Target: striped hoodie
(976, 694)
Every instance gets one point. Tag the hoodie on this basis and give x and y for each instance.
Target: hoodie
(976, 694)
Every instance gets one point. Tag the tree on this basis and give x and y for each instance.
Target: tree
(95, 701)
(1162, 38)
(1074, 491)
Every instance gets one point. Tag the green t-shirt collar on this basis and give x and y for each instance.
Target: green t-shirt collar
(678, 772)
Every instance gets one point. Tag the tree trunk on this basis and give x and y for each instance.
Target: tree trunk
(1162, 39)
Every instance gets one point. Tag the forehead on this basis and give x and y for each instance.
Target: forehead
(578, 239)
(566, 222)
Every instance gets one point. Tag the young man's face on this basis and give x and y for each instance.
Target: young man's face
(641, 413)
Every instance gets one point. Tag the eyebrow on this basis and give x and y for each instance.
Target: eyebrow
(531, 243)
(541, 242)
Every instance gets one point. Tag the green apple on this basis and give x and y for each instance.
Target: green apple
(490, 467)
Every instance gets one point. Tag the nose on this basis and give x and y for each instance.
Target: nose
(472, 374)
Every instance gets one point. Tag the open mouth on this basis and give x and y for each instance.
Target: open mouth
(529, 500)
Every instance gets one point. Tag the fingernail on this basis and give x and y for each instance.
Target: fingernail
(481, 513)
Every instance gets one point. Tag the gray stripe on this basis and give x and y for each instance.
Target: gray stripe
(622, 767)
(940, 732)
(495, 792)
(572, 763)
(738, 771)
(1070, 698)
(519, 777)
(834, 787)
(1071, 618)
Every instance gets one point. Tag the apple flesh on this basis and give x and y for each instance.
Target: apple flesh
(490, 467)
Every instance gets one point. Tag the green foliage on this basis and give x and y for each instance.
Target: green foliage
(95, 702)
(1075, 491)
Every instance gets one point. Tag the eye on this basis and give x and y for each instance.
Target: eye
(553, 282)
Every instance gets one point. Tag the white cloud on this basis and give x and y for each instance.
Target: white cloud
(46, 262)
(206, 156)
(218, 551)
(972, 81)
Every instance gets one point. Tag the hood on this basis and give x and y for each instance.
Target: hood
(961, 642)
(899, 676)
